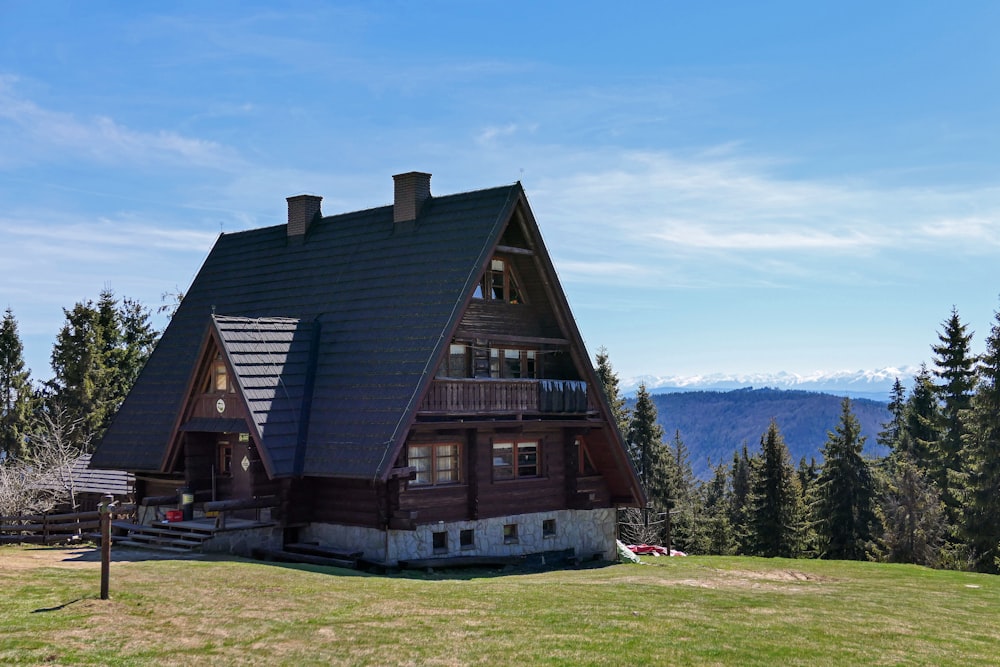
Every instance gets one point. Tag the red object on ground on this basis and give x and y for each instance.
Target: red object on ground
(647, 549)
(173, 516)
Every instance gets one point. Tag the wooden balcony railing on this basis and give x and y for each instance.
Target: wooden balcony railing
(490, 396)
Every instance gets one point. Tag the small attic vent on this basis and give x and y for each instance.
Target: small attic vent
(412, 190)
(302, 210)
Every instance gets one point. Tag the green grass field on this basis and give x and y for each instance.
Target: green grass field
(682, 611)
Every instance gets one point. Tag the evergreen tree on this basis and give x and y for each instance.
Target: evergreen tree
(16, 395)
(644, 434)
(775, 499)
(739, 501)
(685, 519)
(956, 372)
(980, 527)
(921, 419)
(609, 383)
(97, 356)
(844, 505)
(894, 429)
(912, 515)
(719, 537)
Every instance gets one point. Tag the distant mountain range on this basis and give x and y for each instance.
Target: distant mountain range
(715, 424)
(874, 385)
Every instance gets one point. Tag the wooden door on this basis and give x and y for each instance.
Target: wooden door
(242, 468)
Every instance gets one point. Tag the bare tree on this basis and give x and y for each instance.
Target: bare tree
(43, 479)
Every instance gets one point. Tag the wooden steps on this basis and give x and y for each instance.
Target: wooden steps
(312, 554)
(181, 537)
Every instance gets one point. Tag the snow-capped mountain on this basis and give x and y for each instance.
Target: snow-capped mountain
(874, 384)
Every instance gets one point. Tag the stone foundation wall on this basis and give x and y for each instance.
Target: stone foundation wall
(240, 542)
(587, 532)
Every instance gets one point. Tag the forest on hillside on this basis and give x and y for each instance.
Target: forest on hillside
(714, 424)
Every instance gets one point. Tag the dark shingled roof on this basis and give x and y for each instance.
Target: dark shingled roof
(371, 300)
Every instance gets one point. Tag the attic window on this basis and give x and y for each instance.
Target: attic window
(218, 381)
(499, 283)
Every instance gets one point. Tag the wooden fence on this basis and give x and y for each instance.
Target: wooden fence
(56, 528)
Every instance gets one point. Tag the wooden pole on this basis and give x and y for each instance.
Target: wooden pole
(105, 509)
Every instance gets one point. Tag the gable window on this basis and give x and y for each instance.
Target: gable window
(498, 283)
(513, 459)
(218, 380)
(436, 464)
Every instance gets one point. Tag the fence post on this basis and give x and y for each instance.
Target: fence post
(105, 509)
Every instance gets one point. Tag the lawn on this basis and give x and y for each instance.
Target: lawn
(696, 610)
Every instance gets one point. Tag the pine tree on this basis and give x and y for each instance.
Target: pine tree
(956, 372)
(776, 499)
(16, 395)
(844, 505)
(644, 434)
(97, 356)
(980, 526)
(609, 383)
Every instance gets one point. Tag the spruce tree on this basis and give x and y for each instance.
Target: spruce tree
(686, 517)
(922, 418)
(96, 358)
(644, 434)
(739, 501)
(609, 383)
(912, 515)
(956, 374)
(16, 394)
(894, 429)
(776, 511)
(844, 506)
(718, 531)
(980, 527)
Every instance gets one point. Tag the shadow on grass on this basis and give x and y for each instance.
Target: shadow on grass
(92, 554)
(440, 573)
(56, 608)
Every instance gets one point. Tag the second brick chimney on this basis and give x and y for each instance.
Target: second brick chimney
(302, 210)
(412, 190)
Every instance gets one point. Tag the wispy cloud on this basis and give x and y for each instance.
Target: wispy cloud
(41, 132)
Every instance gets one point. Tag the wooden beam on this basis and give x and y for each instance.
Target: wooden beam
(462, 334)
(513, 250)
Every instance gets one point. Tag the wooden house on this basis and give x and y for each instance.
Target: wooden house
(407, 381)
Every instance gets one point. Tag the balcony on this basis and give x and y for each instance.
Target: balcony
(488, 397)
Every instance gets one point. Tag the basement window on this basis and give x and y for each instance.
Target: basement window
(467, 539)
(549, 528)
(510, 533)
(440, 542)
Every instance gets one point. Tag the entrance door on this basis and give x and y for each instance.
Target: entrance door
(242, 471)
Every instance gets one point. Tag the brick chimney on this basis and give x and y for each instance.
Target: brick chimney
(302, 210)
(412, 190)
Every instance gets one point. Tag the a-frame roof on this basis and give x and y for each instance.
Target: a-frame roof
(372, 300)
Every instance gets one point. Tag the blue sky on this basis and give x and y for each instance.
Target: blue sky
(725, 187)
